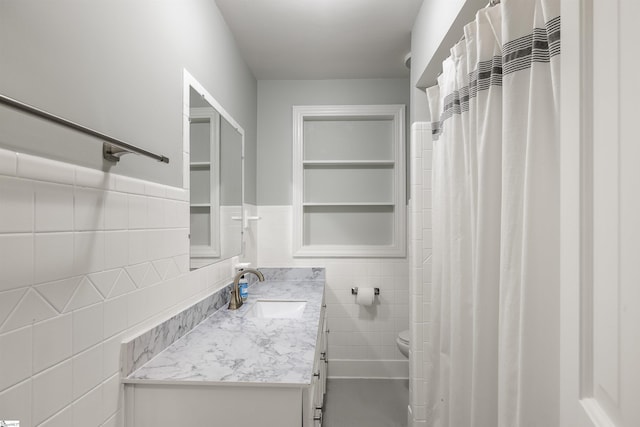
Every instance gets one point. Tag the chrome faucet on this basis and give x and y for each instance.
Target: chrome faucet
(236, 300)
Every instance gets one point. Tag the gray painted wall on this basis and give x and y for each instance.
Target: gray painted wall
(116, 66)
(275, 99)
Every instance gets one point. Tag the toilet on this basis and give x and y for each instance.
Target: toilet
(403, 342)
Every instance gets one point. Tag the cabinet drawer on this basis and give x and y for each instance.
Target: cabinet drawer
(317, 418)
(313, 402)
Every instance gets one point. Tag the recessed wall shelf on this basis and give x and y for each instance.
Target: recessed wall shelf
(349, 181)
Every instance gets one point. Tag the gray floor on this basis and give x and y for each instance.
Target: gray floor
(366, 403)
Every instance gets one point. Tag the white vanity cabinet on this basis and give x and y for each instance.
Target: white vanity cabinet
(314, 395)
(238, 404)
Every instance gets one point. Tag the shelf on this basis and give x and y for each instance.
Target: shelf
(200, 165)
(353, 184)
(348, 224)
(348, 139)
(200, 205)
(348, 163)
(305, 204)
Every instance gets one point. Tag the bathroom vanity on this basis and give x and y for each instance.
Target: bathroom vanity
(261, 365)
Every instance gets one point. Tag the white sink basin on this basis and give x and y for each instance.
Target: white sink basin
(277, 309)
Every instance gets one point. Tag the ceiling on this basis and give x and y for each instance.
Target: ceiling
(322, 39)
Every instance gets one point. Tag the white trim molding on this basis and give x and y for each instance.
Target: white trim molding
(371, 369)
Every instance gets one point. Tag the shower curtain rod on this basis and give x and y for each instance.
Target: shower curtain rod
(491, 4)
(112, 148)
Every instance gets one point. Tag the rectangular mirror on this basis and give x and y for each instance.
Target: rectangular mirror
(215, 146)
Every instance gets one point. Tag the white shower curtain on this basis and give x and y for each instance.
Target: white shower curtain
(495, 311)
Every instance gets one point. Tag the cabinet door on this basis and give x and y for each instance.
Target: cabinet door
(317, 419)
(324, 357)
(601, 210)
(309, 403)
(153, 405)
(317, 386)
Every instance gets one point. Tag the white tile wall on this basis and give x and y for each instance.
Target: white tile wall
(87, 259)
(54, 207)
(31, 309)
(116, 249)
(44, 170)
(9, 301)
(16, 352)
(87, 370)
(51, 342)
(420, 244)
(54, 256)
(8, 163)
(87, 411)
(84, 295)
(63, 418)
(87, 326)
(110, 395)
(58, 293)
(89, 210)
(16, 260)
(52, 391)
(116, 212)
(16, 403)
(104, 280)
(362, 339)
(16, 209)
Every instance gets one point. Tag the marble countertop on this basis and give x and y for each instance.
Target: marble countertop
(230, 348)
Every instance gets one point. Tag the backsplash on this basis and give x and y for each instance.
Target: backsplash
(295, 273)
(139, 350)
(88, 260)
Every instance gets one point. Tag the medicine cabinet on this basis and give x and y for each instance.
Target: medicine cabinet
(349, 181)
(213, 147)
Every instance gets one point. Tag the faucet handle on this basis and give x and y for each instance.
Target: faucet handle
(235, 302)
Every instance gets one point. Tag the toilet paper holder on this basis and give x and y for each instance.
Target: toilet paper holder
(354, 291)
